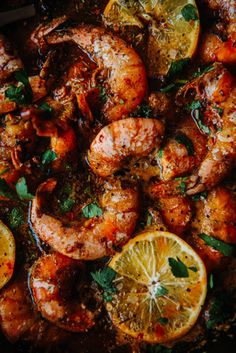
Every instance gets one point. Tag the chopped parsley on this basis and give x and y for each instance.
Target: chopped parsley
(144, 110)
(201, 72)
(196, 115)
(219, 245)
(22, 190)
(102, 94)
(92, 210)
(45, 107)
(200, 196)
(168, 88)
(21, 94)
(177, 66)
(104, 279)
(182, 187)
(160, 153)
(163, 320)
(211, 281)
(66, 205)
(161, 291)
(184, 140)
(6, 191)
(189, 13)
(48, 157)
(16, 218)
(178, 268)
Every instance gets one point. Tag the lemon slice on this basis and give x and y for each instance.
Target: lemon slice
(7, 254)
(160, 287)
(173, 28)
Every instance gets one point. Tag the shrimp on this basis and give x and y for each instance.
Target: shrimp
(213, 48)
(120, 67)
(132, 137)
(50, 280)
(217, 90)
(9, 61)
(16, 312)
(183, 152)
(215, 216)
(175, 209)
(95, 237)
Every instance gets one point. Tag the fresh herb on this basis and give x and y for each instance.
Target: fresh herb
(184, 140)
(182, 187)
(66, 205)
(16, 218)
(149, 219)
(92, 210)
(219, 110)
(48, 157)
(5, 190)
(168, 88)
(196, 115)
(163, 320)
(178, 268)
(201, 72)
(144, 110)
(158, 348)
(22, 190)
(193, 268)
(161, 291)
(189, 12)
(177, 66)
(193, 105)
(20, 94)
(88, 191)
(219, 310)
(211, 281)
(45, 107)
(160, 153)
(200, 196)
(224, 248)
(4, 171)
(102, 94)
(122, 101)
(105, 278)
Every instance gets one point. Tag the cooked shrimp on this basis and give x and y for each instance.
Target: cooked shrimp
(175, 210)
(217, 90)
(16, 311)
(50, 280)
(215, 216)
(120, 67)
(9, 61)
(183, 152)
(132, 137)
(213, 48)
(95, 237)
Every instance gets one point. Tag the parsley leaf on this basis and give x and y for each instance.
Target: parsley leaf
(163, 320)
(92, 210)
(16, 218)
(144, 110)
(193, 268)
(48, 157)
(104, 278)
(22, 190)
(66, 205)
(200, 196)
(182, 187)
(224, 248)
(161, 291)
(102, 94)
(5, 190)
(183, 139)
(196, 115)
(168, 88)
(178, 268)
(193, 105)
(158, 348)
(21, 94)
(189, 12)
(177, 66)
(203, 71)
(160, 153)
(211, 281)
(45, 107)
